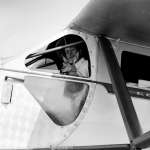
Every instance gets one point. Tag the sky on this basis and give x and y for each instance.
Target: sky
(24, 24)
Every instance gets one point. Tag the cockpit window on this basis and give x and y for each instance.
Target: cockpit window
(67, 55)
(62, 100)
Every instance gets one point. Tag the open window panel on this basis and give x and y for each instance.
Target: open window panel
(136, 73)
(55, 59)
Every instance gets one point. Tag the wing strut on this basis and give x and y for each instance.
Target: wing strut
(123, 97)
(143, 141)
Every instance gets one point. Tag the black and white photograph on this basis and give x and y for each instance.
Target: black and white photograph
(74, 74)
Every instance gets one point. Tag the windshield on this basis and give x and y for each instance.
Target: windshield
(67, 55)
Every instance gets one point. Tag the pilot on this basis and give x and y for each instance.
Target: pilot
(73, 64)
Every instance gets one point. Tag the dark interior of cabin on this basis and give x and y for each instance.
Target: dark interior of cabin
(135, 67)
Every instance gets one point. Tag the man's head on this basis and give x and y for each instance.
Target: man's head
(71, 52)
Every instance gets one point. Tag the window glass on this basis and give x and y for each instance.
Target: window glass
(67, 55)
(61, 100)
(135, 67)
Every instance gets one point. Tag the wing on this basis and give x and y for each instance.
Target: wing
(127, 20)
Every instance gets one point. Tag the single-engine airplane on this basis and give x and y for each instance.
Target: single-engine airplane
(46, 102)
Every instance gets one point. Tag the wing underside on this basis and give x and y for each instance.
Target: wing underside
(125, 20)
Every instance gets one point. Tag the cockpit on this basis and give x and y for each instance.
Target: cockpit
(59, 58)
(63, 100)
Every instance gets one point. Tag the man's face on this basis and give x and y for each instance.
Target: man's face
(70, 52)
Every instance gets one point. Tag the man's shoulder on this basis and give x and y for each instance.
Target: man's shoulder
(82, 63)
(82, 60)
